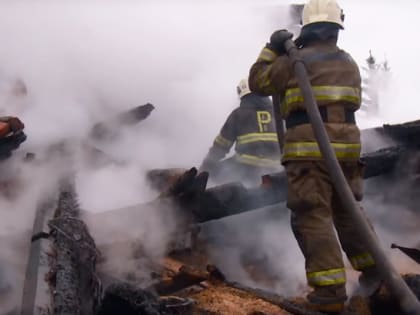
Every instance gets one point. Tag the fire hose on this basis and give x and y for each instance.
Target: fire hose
(396, 285)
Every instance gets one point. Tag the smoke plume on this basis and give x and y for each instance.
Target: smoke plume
(85, 61)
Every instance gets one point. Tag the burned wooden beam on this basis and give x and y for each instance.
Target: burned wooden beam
(413, 253)
(189, 203)
(75, 286)
(234, 198)
(405, 133)
(187, 193)
(382, 161)
(109, 129)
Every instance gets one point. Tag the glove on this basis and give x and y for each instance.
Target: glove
(277, 40)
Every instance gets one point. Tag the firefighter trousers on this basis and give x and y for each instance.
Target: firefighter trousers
(316, 210)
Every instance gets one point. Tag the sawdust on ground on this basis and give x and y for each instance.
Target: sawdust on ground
(222, 299)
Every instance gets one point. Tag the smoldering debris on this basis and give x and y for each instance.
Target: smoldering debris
(82, 85)
(127, 299)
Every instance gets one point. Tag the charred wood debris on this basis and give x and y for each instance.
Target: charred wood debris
(182, 285)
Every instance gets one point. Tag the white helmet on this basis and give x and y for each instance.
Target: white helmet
(243, 88)
(316, 11)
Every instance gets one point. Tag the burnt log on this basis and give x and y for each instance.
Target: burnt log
(75, 286)
(109, 129)
(191, 203)
(382, 161)
(405, 133)
(413, 253)
(187, 193)
(127, 299)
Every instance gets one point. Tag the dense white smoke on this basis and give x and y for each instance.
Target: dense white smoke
(84, 61)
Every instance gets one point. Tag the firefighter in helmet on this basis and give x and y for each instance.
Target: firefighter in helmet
(251, 128)
(314, 203)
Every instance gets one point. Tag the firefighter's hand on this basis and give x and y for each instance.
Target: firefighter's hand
(10, 143)
(277, 40)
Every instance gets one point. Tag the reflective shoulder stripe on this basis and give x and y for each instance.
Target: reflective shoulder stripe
(362, 261)
(257, 161)
(327, 56)
(311, 149)
(326, 277)
(322, 93)
(223, 142)
(267, 55)
(256, 137)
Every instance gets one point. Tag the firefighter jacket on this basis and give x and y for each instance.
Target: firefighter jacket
(251, 128)
(336, 84)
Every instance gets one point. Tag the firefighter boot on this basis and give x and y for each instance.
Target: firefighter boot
(328, 299)
(369, 281)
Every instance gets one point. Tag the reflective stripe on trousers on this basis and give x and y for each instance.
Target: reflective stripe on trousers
(362, 261)
(326, 277)
(311, 149)
(322, 93)
(256, 137)
(223, 142)
(256, 160)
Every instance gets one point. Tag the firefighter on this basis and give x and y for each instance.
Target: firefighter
(315, 206)
(251, 128)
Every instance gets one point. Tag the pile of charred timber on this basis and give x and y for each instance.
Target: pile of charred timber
(182, 288)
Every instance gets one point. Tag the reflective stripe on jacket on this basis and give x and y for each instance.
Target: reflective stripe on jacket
(257, 160)
(251, 128)
(293, 150)
(322, 93)
(256, 137)
(223, 142)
